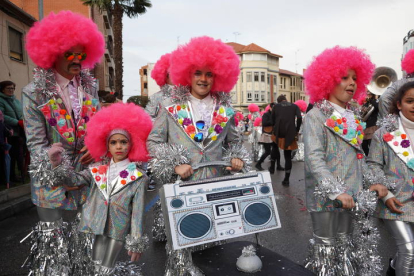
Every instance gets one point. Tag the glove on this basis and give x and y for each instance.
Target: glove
(55, 154)
(20, 122)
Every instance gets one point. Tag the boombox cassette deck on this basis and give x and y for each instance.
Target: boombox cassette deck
(215, 209)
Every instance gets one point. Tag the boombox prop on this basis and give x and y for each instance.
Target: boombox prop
(198, 212)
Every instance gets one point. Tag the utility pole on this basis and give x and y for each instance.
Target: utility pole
(235, 36)
(40, 9)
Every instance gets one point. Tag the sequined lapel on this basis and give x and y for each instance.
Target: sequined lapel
(99, 174)
(339, 126)
(399, 142)
(57, 117)
(120, 183)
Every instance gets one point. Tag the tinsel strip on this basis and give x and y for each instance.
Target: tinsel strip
(322, 259)
(166, 91)
(41, 169)
(372, 176)
(347, 264)
(158, 228)
(325, 107)
(300, 152)
(390, 122)
(49, 249)
(80, 249)
(366, 235)
(106, 271)
(128, 269)
(164, 160)
(223, 98)
(180, 94)
(137, 245)
(329, 186)
(87, 81)
(240, 152)
(180, 263)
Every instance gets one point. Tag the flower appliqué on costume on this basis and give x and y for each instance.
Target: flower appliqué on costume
(57, 116)
(340, 126)
(360, 156)
(196, 130)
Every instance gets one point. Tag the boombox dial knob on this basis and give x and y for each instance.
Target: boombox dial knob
(177, 203)
(264, 189)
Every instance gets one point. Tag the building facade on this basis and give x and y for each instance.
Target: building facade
(15, 64)
(104, 72)
(408, 42)
(261, 80)
(148, 84)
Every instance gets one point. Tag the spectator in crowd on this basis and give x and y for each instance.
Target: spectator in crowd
(4, 133)
(370, 116)
(13, 119)
(285, 130)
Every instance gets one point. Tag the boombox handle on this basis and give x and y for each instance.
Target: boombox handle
(206, 164)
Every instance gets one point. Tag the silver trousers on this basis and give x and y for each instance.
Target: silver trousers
(403, 234)
(48, 214)
(105, 250)
(328, 226)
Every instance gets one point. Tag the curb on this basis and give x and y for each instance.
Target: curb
(15, 206)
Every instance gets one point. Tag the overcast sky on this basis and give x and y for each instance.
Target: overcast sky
(301, 27)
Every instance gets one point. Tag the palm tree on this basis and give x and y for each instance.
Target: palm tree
(131, 8)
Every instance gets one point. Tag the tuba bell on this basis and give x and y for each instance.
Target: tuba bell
(382, 79)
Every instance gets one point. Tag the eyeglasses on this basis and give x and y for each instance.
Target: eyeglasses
(71, 56)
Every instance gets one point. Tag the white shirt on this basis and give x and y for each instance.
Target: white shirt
(202, 109)
(113, 172)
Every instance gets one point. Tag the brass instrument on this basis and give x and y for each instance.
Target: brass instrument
(382, 79)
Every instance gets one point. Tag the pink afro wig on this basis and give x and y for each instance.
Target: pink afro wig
(236, 121)
(327, 69)
(57, 33)
(262, 112)
(249, 116)
(129, 117)
(239, 115)
(253, 108)
(407, 63)
(161, 69)
(267, 108)
(302, 105)
(207, 52)
(257, 121)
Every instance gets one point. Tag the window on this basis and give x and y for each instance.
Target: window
(263, 96)
(274, 82)
(262, 76)
(268, 79)
(15, 44)
(241, 77)
(256, 76)
(249, 76)
(145, 85)
(256, 96)
(249, 96)
(283, 81)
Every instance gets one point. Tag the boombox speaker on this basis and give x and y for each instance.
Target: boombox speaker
(198, 212)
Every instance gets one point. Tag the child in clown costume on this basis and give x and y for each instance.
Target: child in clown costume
(335, 165)
(196, 125)
(114, 209)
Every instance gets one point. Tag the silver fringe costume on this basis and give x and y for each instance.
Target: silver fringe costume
(42, 105)
(170, 145)
(334, 164)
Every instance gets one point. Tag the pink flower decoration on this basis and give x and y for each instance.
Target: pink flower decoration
(330, 122)
(102, 169)
(345, 131)
(359, 127)
(388, 137)
(396, 143)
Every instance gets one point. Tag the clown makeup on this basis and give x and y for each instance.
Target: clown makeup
(118, 146)
(345, 90)
(406, 106)
(69, 67)
(201, 82)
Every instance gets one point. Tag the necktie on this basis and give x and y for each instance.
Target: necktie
(73, 95)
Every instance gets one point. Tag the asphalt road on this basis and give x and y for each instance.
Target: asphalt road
(290, 241)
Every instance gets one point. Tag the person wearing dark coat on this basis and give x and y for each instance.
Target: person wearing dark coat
(371, 121)
(285, 129)
(270, 147)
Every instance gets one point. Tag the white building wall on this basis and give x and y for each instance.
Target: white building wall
(152, 85)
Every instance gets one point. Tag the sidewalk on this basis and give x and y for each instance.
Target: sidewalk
(14, 200)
